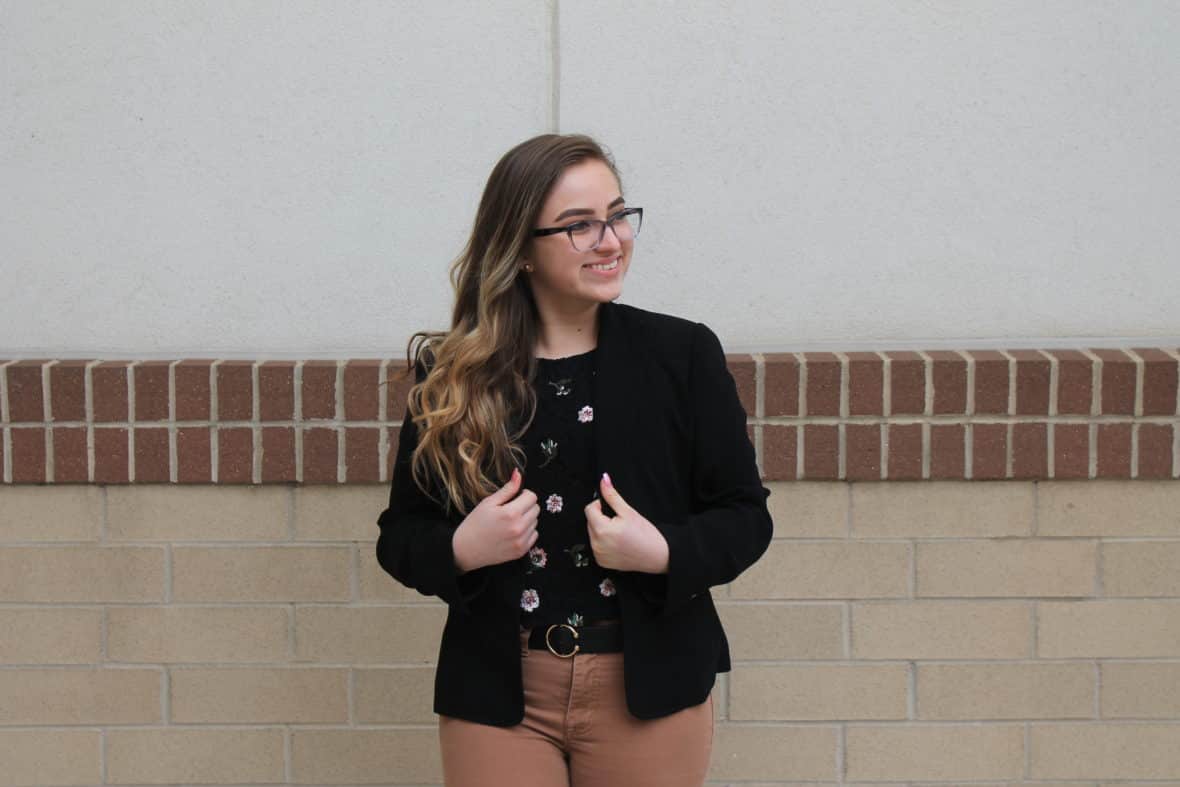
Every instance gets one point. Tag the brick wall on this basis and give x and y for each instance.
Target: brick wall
(188, 592)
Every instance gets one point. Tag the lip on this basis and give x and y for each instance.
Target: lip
(605, 274)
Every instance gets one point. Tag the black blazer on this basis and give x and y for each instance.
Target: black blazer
(671, 432)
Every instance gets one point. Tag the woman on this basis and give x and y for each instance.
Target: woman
(573, 475)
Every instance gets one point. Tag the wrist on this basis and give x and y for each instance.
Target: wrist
(462, 566)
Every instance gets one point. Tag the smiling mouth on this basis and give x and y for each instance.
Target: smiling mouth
(605, 266)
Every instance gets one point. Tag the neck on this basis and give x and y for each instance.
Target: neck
(566, 332)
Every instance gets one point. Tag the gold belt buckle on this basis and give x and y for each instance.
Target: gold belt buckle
(573, 631)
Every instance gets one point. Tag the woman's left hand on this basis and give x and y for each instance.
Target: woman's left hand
(627, 541)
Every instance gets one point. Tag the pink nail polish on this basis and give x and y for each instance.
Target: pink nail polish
(606, 477)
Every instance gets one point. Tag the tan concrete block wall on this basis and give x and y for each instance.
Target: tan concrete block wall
(998, 632)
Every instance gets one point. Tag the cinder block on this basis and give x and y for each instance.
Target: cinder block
(1113, 629)
(80, 696)
(839, 569)
(947, 509)
(50, 636)
(406, 756)
(1024, 567)
(395, 696)
(808, 509)
(376, 584)
(82, 573)
(197, 634)
(1145, 568)
(819, 692)
(369, 635)
(283, 573)
(1108, 508)
(887, 752)
(49, 513)
(783, 631)
(150, 512)
(941, 630)
(1138, 690)
(1085, 750)
(746, 751)
(1060, 690)
(194, 756)
(245, 695)
(339, 513)
(50, 757)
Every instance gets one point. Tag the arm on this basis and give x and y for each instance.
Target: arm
(415, 541)
(730, 526)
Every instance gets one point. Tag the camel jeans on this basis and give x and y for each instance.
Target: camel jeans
(577, 732)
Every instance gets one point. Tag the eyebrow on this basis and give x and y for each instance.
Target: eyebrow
(585, 211)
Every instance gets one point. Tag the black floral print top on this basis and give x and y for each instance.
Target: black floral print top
(562, 581)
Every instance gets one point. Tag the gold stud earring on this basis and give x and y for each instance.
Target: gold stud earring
(528, 268)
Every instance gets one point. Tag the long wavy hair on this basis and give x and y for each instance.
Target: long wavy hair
(476, 400)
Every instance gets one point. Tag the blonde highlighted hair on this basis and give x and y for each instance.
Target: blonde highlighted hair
(476, 400)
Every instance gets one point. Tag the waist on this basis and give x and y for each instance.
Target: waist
(564, 640)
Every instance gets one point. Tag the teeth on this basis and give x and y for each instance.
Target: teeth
(610, 266)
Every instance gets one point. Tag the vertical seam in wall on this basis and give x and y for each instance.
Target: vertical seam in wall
(131, 421)
(841, 427)
(288, 770)
(1140, 380)
(800, 452)
(1011, 412)
(173, 431)
(256, 419)
(759, 410)
(166, 695)
(350, 696)
(7, 437)
(340, 469)
(555, 66)
(886, 406)
(1095, 408)
(1051, 428)
(927, 411)
(297, 384)
(1097, 688)
(969, 430)
(88, 397)
(47, 416)
(214, 431)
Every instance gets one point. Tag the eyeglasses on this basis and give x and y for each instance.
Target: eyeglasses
(586, 234)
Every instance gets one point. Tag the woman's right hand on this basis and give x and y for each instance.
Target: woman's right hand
(501, 528)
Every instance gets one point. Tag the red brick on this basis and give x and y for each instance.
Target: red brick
(1159, 382)
(949, 377)
(988, 452)
(1155, 450)
(108, 382)
(393, 434)
(151, 455)
(780, 386)
(1075, 382)
(905, 452)
(823, 384)
(1030, 450)
(235, 391)
(862, 458)
(110, 456)
(319, 390)
(70, 464)
(360, 454)
(28, 455)
(192, 390)
(821, 452)
(361, 390)
(1118, 382)
(276, 393)
(991, 382)
(151, 391)
(948, 452)
(741, 366)
(278, 454)
(1032, 382)
(1071, 451)
(193, 454)
(1114, 450)
(235, 455)
(3, 457)
(779, 452)
(907, 383)
(25, 393)
(397, 384)
(866, 384)
(320, 455)
(67, 391)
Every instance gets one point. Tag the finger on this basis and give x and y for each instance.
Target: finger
(525, 500)
(612, 496)
(594, 515)
(508, 491)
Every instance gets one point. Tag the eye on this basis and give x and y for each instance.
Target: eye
(622, 214)
(578, 227)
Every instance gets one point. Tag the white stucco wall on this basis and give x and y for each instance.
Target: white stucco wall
(292, 178)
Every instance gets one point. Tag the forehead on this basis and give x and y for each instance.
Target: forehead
(589, 184)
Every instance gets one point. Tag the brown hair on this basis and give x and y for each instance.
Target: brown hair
(476, 400)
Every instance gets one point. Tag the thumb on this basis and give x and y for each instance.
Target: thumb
(509, 490)
(612, 496)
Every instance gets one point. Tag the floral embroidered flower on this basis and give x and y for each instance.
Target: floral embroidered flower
(549, 449)
(574, 619)
(606, 587)
(530, 600)
(553, 503)
(578, 553)
(586, 414)
(538, 557)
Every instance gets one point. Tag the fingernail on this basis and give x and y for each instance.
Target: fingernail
(606, 477)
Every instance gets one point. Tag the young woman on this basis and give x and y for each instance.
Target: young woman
(573, 475)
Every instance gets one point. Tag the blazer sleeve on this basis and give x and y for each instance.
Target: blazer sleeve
(730, 525)
(414, 545)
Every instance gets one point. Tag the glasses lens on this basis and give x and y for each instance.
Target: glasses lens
(585, 234)
(627, 227)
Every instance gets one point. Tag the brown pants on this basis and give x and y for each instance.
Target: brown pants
(577, 732)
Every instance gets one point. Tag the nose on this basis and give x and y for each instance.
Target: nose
(610, 241)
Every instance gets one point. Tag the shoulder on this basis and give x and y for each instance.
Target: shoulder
(667, 333)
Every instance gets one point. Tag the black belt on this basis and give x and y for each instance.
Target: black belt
(562, 639)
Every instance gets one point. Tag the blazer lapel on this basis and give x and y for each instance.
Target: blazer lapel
(619, 373)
